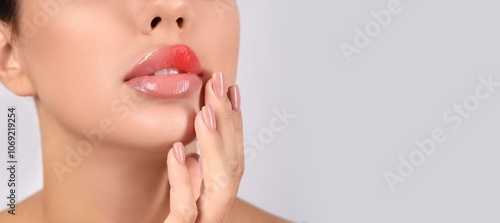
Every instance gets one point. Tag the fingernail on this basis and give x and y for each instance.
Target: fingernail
(218, 84)
(235, 97)
(208, 117)
(179, 153)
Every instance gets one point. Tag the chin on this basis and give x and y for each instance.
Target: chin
(154, 126)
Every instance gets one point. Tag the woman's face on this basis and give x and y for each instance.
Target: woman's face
(77, 54)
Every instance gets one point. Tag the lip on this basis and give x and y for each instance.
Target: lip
(179, 57)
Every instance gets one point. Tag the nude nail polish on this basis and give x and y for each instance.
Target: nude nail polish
(235, 97)
(218, 84)
(209, 117)
(180, 153)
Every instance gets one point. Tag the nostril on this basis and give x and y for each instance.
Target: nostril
(155, 22)
(180, 22)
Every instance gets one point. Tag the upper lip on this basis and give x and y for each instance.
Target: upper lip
(179, 57)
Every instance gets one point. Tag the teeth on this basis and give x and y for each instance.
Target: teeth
(167, 71)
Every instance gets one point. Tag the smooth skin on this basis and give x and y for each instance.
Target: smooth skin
(140, 165)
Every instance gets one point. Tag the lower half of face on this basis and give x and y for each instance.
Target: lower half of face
(78, 60)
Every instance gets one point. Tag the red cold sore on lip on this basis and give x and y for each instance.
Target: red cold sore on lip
(179, 57)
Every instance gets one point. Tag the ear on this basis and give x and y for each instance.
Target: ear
(12, 74)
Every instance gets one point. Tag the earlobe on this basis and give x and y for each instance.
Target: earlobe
(12, 74)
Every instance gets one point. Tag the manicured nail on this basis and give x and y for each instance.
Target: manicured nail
(180, 153)
(235, 97)
(219, 84)
(208, 117)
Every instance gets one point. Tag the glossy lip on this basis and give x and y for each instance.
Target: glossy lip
(179, 57)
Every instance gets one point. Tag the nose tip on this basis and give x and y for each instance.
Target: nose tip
(165, 15)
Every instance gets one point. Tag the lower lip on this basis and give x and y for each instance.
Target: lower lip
(168, 86)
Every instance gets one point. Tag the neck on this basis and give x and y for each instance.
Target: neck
(108, 184)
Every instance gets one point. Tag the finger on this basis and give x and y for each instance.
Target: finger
(209, 142)
(193, 163)
(218, 184)
(234, 96)
(183, 207)
(216, 97)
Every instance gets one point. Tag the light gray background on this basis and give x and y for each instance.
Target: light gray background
(353, 120)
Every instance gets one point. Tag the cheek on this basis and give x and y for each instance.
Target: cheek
(73, 68)
(217, 36)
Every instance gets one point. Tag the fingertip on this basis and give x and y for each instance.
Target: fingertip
(176, 154)
(234, 95)
(209, 89)
(205, 122)
(209, 118)
(180, 153)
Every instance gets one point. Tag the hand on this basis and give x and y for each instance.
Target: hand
(205, 191)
